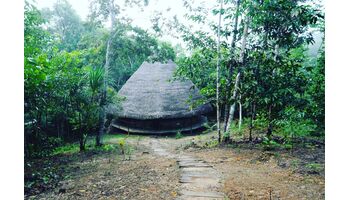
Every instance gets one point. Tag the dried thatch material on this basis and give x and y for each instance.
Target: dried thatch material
(155, 103)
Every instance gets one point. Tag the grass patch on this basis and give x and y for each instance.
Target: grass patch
(73, 148)
(66, 149)
(314, 167)
(211, 143)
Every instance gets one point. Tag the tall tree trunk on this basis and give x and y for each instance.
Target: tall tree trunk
(232, 107)
(231, 63)
(226, 112)
(109, 54)
(217, 78)
(269, 129)
(58, 128)
(252, 117)
(240, 112)
(251, 121)
(81, 135)
(241, 59)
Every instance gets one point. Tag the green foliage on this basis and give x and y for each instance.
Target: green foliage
(226, 135)
(74, 148)
(316, 93)
(211, 144)
(200, 68)
(163, 52)
(122, 143)
(295, 124)
(269, 144)
(261, 121)
(132, 46)
(35, 38)
(314, 167)
(239, 131)
(46, 147)
(96, 79)
(65, 24)
(64, 74)
(178, 135)
(66, 149)
(276, 72)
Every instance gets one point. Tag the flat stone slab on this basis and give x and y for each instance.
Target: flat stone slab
(198, 175)
(189, 160)
(204, 170)
(199, 179)
(193, 164)
(211, 195)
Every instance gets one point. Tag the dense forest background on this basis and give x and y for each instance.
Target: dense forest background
(64, 71)
(268, 83)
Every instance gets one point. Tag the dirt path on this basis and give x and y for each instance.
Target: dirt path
(199, 180)
(169, 168)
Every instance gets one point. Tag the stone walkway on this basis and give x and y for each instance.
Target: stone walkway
(199, 180)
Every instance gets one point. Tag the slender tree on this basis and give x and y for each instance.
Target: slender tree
(217, 77)
(112, 10)
(237, 81)
(232, 62)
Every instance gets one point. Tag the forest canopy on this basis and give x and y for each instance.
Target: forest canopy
(64, 60)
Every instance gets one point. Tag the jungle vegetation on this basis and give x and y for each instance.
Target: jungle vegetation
(267, 80)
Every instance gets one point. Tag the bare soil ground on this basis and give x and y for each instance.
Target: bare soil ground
(109, 176)
(251, 173)
(246, 172)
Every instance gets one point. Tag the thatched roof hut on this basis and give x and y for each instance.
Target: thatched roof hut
(155, 103)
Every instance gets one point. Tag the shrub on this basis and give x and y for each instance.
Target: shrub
(43, 146)
(66, 149)
(261, 122)
(269, 144)
(294, 125)
(179, 135)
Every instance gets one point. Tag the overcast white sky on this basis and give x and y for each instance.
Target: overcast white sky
(169, 8)
(140, 18)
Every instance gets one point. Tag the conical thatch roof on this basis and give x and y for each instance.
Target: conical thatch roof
(156, 103)
(151, 93)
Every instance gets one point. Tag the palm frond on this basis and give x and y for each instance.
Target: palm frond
(96, 79)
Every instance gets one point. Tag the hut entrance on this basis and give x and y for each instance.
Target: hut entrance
(159, 126)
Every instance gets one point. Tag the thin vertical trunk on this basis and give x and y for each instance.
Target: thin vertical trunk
(241, 59)
(217, 78)
(67, 128)
(269, 129)
(81, 135)
(63, 135)
(240, 112)
(252, 116)
(251, 122)
(58, 128)
(226, 112)
(232, 107)
(109, 54)
(45, 118)
(230, 74)
(130, 62)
